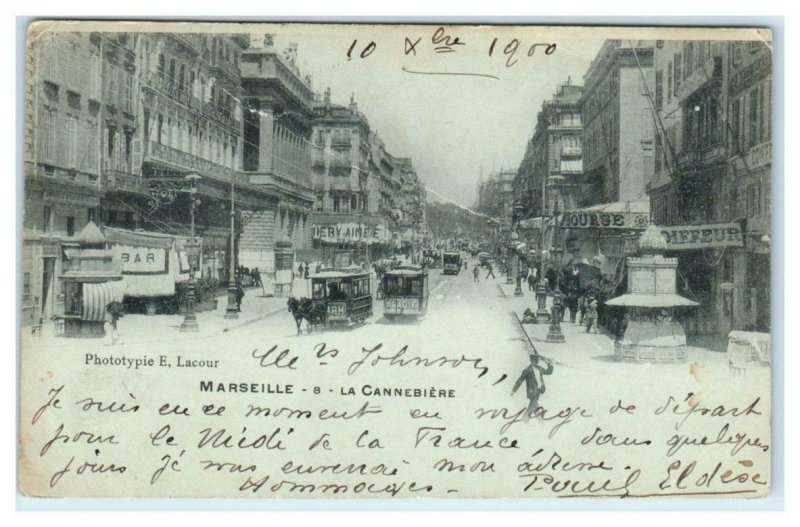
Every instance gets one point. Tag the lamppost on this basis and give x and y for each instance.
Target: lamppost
(516, 217)
(231, 311)
(190, 320)
(554, 334)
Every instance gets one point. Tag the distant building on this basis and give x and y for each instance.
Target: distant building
(496, 196)
(348, 215)
(548, 178)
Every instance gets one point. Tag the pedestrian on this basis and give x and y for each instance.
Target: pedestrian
(582, 308)
(305, 273)
(571, 300)
(257, 278)
(239, 296)
(476, 273)
(112, 317)
(300, 271)
(531, 282)
(591, 314)
(490, 271)
(533, 376)
(318, 268)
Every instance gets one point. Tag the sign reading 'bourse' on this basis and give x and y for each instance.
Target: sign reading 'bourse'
(584, 219)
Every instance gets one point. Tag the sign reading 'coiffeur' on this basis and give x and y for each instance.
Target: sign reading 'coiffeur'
(711, 236)
(584, 219)
(350, 232)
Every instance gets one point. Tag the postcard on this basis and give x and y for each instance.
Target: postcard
(396, 261)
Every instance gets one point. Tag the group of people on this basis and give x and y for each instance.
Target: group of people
(248, 277)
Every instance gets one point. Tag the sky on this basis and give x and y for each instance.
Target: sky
(454, 127)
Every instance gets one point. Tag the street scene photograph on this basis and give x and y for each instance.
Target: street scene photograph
(396, 261)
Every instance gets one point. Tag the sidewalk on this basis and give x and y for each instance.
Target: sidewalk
(255, 307)
(580, 346)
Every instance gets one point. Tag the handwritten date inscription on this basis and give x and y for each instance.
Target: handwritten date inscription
(446, 41)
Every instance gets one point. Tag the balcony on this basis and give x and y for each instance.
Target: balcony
(696, 156)
(711, 70)
(118, 181)
(188, 162)
(760, 155)
(156, 81)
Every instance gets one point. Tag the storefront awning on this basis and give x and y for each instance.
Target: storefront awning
(97, 296)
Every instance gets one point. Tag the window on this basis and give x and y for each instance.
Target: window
(26, 289)
(47, 223)
(70, 225)
(336, 204)
(353, 202)
(689, 63)
(735, 118)
(48, 136)
(128, 147)
(669, 82)
(754, 121)
(659, 89)
(72, 142)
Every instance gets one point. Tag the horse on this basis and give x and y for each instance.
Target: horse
(304, 308)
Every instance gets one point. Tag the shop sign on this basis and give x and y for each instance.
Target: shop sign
(584, 219)
(712, 236)
(143, 260)
(350, 232)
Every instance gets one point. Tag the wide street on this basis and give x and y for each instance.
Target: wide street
(464, 318)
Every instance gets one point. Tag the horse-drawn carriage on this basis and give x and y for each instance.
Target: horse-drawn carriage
(405, 292)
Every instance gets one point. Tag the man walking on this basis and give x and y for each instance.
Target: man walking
(476, 273)
(533, 376)
(490, 271)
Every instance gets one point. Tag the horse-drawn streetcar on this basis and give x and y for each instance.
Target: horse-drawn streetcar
(345, 295)
(405, 292)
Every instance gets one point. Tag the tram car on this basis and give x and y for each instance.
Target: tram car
(451, 263)
(344, 294)
(405, 292)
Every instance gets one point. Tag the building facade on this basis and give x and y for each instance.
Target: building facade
(116, 122)
(278, 117)
(548, 178)
(617, 116)
(713, 168)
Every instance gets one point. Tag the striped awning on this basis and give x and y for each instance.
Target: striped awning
(97, 296)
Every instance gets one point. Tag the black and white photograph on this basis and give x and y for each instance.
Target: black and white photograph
(443, 261)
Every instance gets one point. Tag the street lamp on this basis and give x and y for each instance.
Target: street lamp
(554, 334)
(193, 251)
(517, 274)
(231, 311)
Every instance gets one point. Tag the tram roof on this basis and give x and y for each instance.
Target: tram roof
(406, 270)
(340, 274)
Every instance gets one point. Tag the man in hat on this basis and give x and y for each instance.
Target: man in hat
(533, 376)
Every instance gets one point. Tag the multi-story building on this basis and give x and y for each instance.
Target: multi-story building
(278, 113)
(713, 169)
(548, 178)
(690, 158)
(347, 212)
(746, 193)
(617, 116)
(62, 161)
(496, 195)
(115, 122)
